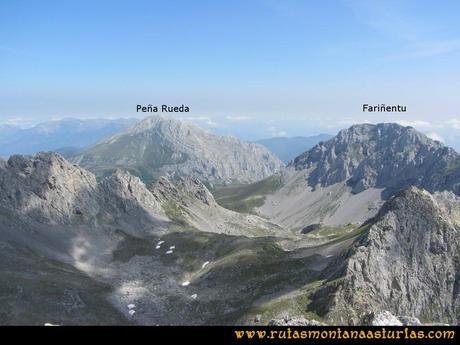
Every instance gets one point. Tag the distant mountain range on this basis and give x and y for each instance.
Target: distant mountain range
(360, 229)
(287, 149)
(69, 136)
(66, 136)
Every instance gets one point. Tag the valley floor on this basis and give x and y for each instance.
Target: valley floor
(184, 277)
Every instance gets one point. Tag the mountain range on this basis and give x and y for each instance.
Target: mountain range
(363, 224)
(347, 178)
(69, 136)
(66, 136)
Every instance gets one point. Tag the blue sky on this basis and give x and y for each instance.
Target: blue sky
(250, 67)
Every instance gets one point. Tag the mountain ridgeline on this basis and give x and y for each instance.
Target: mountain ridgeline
(80, 250)
(405, 261)
(347, 178)
(159, 146)
(364, 223)
(386, 156)
(65, 136)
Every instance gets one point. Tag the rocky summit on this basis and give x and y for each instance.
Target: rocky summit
(347, 178)
(159, 146)
(361, 229)
(385, 155)
(46, 188)
(405, 261)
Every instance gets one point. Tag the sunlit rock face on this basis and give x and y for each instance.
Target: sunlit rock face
(158, 146)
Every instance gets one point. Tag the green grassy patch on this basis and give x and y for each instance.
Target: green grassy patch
(332, 231)
(293, 304)
(245, 198)
(174, 212)
(244, 274)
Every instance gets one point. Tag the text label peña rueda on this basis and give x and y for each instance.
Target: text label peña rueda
(163, 109)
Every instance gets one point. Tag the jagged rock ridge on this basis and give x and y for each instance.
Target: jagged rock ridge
(80, 260)
(385, 155)
(406, 261)
(347, 178)
(46, 188)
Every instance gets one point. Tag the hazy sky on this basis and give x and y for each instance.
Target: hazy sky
(261, 67)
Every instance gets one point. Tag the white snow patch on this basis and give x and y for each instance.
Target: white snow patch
(131, 306)
(186, 283)
(169, 252)
(160, 242)
(172, 247)
(132, 290)
(158, 247)
(194, 296)
(132, 312)
(205, 264)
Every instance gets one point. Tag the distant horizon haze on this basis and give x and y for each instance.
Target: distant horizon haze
(256, 69)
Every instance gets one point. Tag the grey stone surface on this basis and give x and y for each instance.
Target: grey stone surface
(406, 262)
(159, 146)
(77, 249)
(386, 155)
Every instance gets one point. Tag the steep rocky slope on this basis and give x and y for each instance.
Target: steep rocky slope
(345, 179)
(77, 250)
(57, 209)
(406, 261)
(83, 260)
(46, 188)
(35, 290)
(160, 146)
(386, 156)
(295, 204)
(188, 201)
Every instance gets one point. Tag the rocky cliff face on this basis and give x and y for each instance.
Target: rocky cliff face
(160, 146)
(122, 191)
(406, 261)
(78, 251)
(386, 156)
(171, 250)
(45, 187)
(347, 178)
